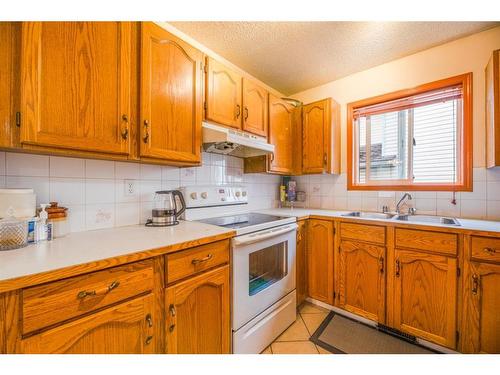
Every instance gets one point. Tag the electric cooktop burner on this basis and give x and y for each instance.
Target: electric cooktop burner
(242, 220)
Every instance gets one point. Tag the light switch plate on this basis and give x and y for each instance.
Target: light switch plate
(130, 188)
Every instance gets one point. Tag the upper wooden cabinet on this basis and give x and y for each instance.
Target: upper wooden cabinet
(321, 137)
(254, 108)
(492, 73)
(9, 83)
(320, 260)
(361, 279)
(75, 86)
(171, 97)
(198, 314)
(223, 94)
(281, 135)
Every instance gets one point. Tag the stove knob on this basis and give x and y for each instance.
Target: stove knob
(194, 196)
(204, 195)
(223, 199)
(244, 193)
(238, 194)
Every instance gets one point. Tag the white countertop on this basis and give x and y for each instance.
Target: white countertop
(91, 246)
(466, 224)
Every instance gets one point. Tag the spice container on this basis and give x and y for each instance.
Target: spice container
(13, 233)
(58, 216)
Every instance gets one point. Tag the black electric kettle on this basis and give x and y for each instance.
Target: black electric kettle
(166, 209)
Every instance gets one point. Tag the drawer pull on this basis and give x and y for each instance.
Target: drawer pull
(490, 250)
(475, 284)
(149, 339)
(398, 268)
(149, 320)
(197, 261)
(85, 293)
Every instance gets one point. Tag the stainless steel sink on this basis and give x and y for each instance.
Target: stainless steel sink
(427, 219)
(369, 215)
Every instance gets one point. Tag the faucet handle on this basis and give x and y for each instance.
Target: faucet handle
(412, 210)
(385, 209)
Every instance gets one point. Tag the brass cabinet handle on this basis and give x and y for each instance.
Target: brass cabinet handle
(245, 109)
(381, 262)
(272, 157)
(238, 111)
(145, 139)
(299, 236)
(149, 320)
(475, 283)
(171, 309)
(125, 131)
(398, 268)
(149, 339)
(197, 261)
(490, 250)
(85, 293)
(325, 159)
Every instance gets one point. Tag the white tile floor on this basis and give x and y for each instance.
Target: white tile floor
(295, 340)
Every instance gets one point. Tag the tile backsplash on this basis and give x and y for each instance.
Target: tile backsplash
(330, 192)
(94, 190)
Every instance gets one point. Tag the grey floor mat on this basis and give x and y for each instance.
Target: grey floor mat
(339, 334)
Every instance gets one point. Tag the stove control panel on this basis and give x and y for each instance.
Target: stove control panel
(210, 195)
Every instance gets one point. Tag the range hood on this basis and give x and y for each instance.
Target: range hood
(220, 140)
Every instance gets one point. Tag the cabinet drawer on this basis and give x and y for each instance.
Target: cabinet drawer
(190, 262)
(55, 302)
(362, 232)
(438, 242)
(485, 248)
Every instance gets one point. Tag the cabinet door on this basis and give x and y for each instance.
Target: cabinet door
(481, 307)
(9, 83)
(301, 264)
(492, 83)
(361, 281)
(126, 328)
(320, 260)
(425, 296)
(255, 103)
(223, 95)
(76, 85)
(316, 130)
(198, 316)
(281, 116)
(171, 97)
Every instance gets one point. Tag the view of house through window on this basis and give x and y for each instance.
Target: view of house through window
(413, 140)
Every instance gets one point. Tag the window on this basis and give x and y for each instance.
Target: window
(415, 139)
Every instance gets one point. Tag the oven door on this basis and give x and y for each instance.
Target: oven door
(263, 270)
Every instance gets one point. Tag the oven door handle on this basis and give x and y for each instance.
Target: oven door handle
(259, 236)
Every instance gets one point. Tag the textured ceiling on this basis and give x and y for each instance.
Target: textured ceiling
(294, 56)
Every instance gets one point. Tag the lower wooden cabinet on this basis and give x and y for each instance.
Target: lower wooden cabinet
(301, 263)
(425, 296)
(320, 260)
(198, 314)
(361, 279)
(126, 328)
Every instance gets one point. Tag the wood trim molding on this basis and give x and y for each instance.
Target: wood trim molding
(465, 183)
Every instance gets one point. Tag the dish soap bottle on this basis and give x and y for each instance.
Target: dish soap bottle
(44, 229)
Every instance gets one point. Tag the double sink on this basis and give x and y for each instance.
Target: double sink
(411, 218)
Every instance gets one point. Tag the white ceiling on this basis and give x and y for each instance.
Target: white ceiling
(294, 56)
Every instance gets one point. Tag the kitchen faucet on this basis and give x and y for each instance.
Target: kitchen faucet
(401, 201)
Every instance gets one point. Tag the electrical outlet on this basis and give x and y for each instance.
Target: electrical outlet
(129, 188)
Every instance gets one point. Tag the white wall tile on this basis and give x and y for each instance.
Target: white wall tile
(426, 206)
(40, 185)
(479, 192)
(315, 201)
(493, 190)
(129, 171)
(127, 214)
(479, 174)
(354, 203)
(340, 203)
(473, 209)
(445, 208)
(27, 165)
(171, 173)
(120, 195)
(99, 216)
(76, 217)
(99, 191)
(493, 174)
(493, 210)
(145, 211)
(369, 204)
(150, 172)
(99, 168)
(67, 191)
(2, 182)
(67, 167)
(148, 189)
(203, 175)
(188, 176)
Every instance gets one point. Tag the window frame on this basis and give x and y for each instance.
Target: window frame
(464, 159)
